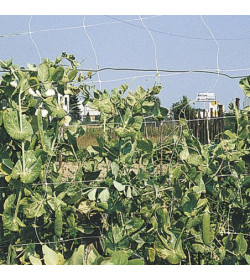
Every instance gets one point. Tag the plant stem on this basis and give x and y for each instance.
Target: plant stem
(18, 203)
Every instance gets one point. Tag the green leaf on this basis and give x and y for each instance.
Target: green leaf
(33, 206)
(179, 250)
(193, 221)
(13, 127)
(1, 118)
(136, 122)
(9, 220)
(195, 160)
(198, 248)
(241, 244)
(72, 75)
(136, 262)
(119, 186)
(115, 169)
(7, 165)
(164, 111)
(43, 72)
(189, 203)
(201, 202)
(104, 195)
(92, 194)
(78, 257)
(227, 242)
(127, 148)
(119, 258)
(247, 257)
(184, 154)
(129, 192)
(35, 261)
(50, 256)
(32, 168)
(93, 257)
(200, 188)
(34, 83)
(54, 108)
(58, 74)
(9, 202)
(151, 254)
(230, 134)
(118, 233)
(145, 145)
(174, 258)
(245, 85)
(85, 206)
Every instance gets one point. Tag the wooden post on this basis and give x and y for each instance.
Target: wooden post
(198, 126)
(194, 123)
(207, 128)
(204, 127)
(188, 121)
(220, 115)
(211, 126)
(237, 105)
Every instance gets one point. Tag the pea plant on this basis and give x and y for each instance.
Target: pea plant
(195, 211)
(31, 123)
(189, 213)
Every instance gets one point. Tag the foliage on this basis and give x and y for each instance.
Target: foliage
(195, 212)
(181, 109)
(87, 119)
(245, 85)
(74, 109)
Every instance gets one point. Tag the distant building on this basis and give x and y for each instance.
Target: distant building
(214, 105)
(86, 110)
(64, 101)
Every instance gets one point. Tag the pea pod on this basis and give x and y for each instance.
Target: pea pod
(166, 220)
(206, 231)
(58, 223)
(33, 142)
(164, 215)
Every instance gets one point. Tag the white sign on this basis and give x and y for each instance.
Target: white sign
(205, 97)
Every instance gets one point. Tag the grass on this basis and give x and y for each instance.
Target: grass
(153, 133)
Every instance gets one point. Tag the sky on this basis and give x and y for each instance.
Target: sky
(150, 42)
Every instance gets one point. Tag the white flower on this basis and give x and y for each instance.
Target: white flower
(13, 84)
(50, 92)
(44, 113)
(31, 91)
(35, 94)
(38, 94)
